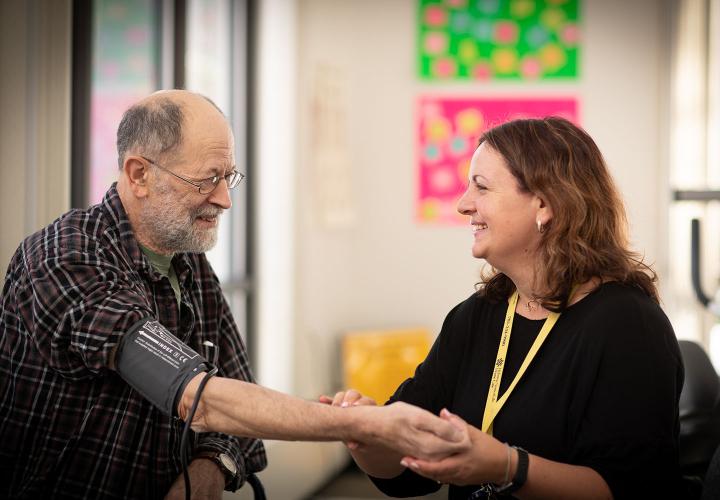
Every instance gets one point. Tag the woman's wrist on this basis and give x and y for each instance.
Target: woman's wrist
(493, 455)
(511, 463)
(508, 465)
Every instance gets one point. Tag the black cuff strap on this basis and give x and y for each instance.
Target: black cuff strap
(157, 364)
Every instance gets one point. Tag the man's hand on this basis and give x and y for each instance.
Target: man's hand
(411, 431)
(207, 482)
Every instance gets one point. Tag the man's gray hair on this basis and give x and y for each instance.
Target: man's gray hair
(153, 129)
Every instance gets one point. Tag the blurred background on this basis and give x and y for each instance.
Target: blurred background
(354, 121)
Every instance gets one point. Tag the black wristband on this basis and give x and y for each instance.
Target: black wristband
(521, 473)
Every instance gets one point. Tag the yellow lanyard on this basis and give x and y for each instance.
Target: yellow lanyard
(493, 404)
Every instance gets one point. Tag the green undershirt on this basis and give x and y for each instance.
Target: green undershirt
(163, 265)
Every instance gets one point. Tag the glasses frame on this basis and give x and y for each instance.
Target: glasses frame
(214, 180)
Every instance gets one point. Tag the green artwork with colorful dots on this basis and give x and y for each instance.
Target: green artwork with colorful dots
(498, 39)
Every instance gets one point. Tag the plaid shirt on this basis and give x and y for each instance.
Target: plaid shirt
(69, 426)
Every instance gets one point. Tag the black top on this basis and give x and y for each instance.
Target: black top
(602, 391)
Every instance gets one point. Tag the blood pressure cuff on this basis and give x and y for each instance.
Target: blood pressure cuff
(157, 364)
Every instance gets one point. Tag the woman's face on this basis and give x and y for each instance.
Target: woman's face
(503, 218)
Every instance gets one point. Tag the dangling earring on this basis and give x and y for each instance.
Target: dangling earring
(541, 228)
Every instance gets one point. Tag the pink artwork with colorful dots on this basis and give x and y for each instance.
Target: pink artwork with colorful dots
(448, 132)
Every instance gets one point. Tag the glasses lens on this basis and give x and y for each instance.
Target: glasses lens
(234, 178)
(207, 186)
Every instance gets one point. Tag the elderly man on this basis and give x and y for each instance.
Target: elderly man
(86, 410)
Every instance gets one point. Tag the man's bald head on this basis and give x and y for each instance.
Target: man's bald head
(154, 126)
(184, 134)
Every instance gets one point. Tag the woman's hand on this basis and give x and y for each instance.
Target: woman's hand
(486, 460)
(413, 430)
(350, 397)
(400, 426)
(396, 430)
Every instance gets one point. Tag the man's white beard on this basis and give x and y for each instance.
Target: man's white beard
(171, 227)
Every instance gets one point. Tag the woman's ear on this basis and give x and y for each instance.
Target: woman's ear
(544, 210)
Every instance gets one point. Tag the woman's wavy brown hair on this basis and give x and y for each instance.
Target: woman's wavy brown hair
(587, 236)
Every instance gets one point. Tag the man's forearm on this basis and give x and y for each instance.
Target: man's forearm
(246, 409)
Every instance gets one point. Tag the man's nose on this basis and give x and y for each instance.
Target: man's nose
(220, 196)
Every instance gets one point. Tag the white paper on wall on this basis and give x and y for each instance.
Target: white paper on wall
(329, 152)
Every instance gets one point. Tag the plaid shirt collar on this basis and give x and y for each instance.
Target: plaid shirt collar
(113, 207)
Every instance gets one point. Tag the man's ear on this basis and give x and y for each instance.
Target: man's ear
(136, 172)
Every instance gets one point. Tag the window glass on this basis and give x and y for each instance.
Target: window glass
(124, 69)
(211, 65)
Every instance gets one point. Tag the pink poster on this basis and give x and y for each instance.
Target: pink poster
(448, 132)
(107, 109)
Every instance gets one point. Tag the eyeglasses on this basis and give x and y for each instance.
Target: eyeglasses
(205, 186)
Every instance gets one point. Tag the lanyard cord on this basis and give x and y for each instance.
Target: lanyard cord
(493, 404)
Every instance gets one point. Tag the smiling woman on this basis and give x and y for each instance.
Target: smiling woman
(501, 212)
(562, 367)
(576, 213)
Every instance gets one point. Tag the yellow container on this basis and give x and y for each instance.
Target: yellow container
(376, 362)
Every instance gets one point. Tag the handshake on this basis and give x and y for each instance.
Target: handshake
(401, 435)
(383, 440)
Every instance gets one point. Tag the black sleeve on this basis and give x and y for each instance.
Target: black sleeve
(431, 388)
(628, 432)
(407, 484)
